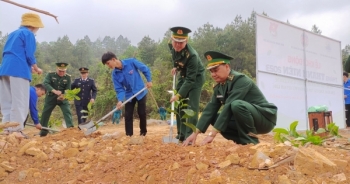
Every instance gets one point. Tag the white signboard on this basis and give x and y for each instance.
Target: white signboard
(297, 69)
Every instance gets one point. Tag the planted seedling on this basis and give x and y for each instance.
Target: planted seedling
(282, 135)
(70, 94)
(89, 114)
(188, 113)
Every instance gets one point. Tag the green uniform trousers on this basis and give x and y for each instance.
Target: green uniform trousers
(246, 121)
(184, 131)
(50, 103)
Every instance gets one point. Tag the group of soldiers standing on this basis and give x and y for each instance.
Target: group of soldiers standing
(56, 84)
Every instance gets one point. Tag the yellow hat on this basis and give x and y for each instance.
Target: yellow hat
(31, 19)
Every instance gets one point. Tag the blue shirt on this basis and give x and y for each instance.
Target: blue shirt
(18, 54)
(128, 81)
(33, 100)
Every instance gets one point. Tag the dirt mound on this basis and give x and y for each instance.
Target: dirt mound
(108, 156)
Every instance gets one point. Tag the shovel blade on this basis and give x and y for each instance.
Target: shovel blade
(169, 139)
(88, 128)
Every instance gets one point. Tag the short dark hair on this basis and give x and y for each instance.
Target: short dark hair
(108, 56)
(41, 87)
(345, 74)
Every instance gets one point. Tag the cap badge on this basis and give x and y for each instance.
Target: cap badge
(62, 64)
(209, 58)
(179, 32)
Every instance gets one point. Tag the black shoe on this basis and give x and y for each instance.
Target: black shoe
(24, 135)
(143, 134)
(180, 138)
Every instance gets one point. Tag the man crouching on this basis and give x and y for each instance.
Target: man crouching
(245, 110)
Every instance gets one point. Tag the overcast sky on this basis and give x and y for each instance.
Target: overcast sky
(135, 19)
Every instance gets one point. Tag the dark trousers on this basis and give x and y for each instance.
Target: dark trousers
(347, 114)
(79, 108)
(129, 116)
(25, 121)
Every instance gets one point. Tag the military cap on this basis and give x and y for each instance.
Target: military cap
(83, 70)
(62, 66)
(180, 34)
(216, 58)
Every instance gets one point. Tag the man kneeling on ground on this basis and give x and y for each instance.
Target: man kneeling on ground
(245, 110)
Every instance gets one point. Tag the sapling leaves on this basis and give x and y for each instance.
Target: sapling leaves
(88, 111)
(188, 113)
(282, 135)
(191, 126)
(71, 94)
(333, 129)
(293, 129)
(280, 130)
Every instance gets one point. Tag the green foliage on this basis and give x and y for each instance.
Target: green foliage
(72, 94)
(282, 135)
(54, 122)
(293, 129)
(187, 113)
(236, 39)
(333, 129)
(88, 111)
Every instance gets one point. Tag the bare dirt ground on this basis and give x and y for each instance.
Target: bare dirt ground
(108, 156)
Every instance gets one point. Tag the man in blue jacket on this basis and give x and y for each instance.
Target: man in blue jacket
(36, 92)
(347, 97)
(127, 82)
(15, 73)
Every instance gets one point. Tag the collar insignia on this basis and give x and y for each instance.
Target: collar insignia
(230, 77)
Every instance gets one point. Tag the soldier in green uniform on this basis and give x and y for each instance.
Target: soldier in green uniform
(245, 112)
(188, 64)
(56, 83)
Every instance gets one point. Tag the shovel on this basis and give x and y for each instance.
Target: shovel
(90, 127)
(170, 138)
(44, 128)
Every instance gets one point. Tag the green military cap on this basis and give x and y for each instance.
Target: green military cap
(216, 58)
(180, 34)
(62, 66)
(84, 70)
